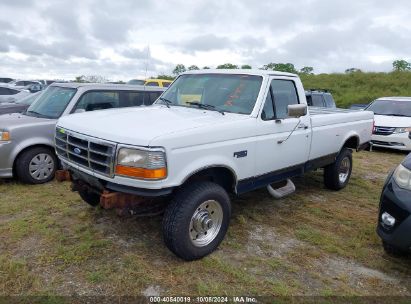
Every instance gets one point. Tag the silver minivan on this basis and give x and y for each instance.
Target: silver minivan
(27, 139)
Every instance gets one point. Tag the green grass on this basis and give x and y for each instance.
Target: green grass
(52, 243)
(360, 87)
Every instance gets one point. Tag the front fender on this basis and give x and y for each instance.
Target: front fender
(30, 142)
(189, 168)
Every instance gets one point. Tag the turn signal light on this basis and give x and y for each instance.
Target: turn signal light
(4, 136)
(141, 172)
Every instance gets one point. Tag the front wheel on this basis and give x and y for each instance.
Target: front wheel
(196, 220)
(337, 175)
(36, 165)
(91, 198)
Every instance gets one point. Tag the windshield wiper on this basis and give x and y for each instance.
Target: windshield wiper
(166, 101)
(205, 106)
(37, 114)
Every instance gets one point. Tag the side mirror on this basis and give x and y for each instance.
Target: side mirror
(297, 110)
(80, 111)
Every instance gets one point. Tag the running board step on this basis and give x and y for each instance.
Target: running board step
(288, 189)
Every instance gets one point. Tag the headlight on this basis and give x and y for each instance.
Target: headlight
(402, 130)
(4, 136)
(141, 164)
(402, 177)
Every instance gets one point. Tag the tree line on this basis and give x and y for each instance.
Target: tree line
(283, 67)
(400, 65)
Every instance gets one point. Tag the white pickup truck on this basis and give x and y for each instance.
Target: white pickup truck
(211, 134)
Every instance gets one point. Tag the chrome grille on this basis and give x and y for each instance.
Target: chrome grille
(85, 151)
(383, 130)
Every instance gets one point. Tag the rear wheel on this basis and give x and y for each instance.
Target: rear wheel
(337, 175)
(36, 166)
(196, 220)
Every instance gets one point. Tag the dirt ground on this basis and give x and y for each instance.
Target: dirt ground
(314, 242)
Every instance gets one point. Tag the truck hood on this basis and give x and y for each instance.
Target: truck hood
(17, 121)
(140, 125)
(392, 121)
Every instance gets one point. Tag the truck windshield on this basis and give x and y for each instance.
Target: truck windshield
(52, 103)
(391, 107)
(221, 92)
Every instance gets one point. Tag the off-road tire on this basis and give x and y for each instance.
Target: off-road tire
(332, 172)
(22, 165)
(179, 213)
(91, 198)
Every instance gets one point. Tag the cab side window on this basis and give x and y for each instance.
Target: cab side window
(151, 97)
(281, 94)
(135, 99)
(284, 94)
(98, 100)
(152, 84)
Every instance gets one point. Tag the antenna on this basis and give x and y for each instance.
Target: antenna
(147, 60)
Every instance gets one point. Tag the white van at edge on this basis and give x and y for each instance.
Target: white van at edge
(392, 116)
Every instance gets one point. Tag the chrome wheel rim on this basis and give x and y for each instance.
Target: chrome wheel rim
(344, 170)
(41, 166)
(206, 223)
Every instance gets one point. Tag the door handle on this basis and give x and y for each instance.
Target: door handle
(302, 126)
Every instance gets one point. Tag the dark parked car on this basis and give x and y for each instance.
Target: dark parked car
(27, 139)
(6, 80)
(19, 106)
(394, 218)
(320, 98)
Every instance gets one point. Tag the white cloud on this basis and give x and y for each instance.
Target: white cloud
(65, 38)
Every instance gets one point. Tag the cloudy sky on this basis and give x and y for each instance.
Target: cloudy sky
(118, 39)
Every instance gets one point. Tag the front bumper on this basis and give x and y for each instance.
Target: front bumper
(6, 160)
(398, 141)
(99, 185)
(396, 202)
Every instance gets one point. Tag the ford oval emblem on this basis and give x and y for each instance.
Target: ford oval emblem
(77, 151)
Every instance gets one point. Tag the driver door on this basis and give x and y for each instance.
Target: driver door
(279, 149)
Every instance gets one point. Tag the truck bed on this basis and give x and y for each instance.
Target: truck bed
(327, 116)
(330, 125)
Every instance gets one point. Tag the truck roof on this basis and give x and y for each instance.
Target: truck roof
(105, 86)
(404, 98)
(241, 72)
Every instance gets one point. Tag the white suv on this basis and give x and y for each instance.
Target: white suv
(392, 122)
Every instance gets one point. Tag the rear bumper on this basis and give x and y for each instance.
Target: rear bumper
(398, 141)
(396, 202)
